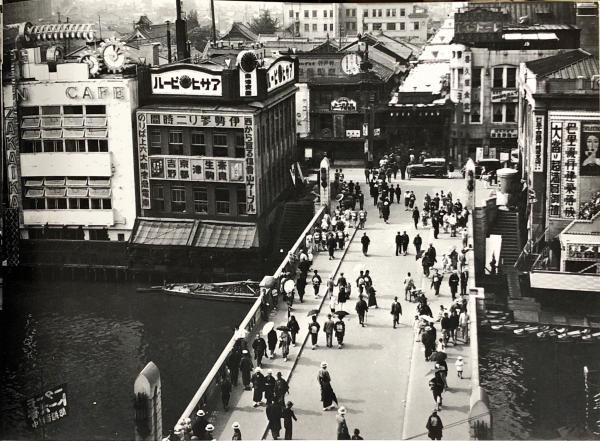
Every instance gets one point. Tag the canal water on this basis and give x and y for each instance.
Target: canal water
(96, 338)
(534, 386)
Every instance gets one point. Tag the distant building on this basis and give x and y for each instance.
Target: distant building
(587, 20)
(145, 34)
(484, 71)
(313, 20)
(27, 10)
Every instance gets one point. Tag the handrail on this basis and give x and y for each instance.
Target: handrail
(249, 321)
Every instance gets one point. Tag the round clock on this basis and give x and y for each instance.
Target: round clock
(351, 64)
(247, 61)
(93, 63)
(113, 55)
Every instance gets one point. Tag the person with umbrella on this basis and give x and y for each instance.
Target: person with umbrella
(281, 388)
(269, 387)
(246, 367)
(260, 346)
(365, 241)
(361, 309)
(313, 329)
(342, 427)
(284, 342)
(288, 415)
(273, 412)
(294, 328)
(258, 386)
(434, 426)
(316, 282)
(396, 312)
(272, 342)
(327, 394)
(340, 329)
(372, 298)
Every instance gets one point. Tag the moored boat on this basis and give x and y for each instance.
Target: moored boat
(242, 291)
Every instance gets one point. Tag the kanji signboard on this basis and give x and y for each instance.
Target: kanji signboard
(46, 408)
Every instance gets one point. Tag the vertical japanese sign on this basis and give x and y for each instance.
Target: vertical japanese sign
(11, 139)
(570, 170)
(538, 142)
(554, 187)
(142, 135)
(47, 408)
(250, 165)
(467, 82)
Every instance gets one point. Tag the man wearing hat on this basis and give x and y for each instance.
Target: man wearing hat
(396, 312)
(342, 426)
(199, 424)
(361, 309)
(233, 363)
(208, 435)
(328, 328)
(453, 281)
(269, 386)
(273, 411)
(258, 386)
(246, 367)
(328, 396)
(237, 434)
(281, 388)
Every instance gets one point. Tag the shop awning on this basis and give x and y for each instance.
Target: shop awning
(226, 235)
(163, 232)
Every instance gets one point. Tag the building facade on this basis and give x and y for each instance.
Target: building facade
(314, 20)
(484, 69)
(214, 149)
(74, 165)
(407, 21)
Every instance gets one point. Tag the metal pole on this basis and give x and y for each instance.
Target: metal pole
(214, 26)
(168, 41)
(100, 27)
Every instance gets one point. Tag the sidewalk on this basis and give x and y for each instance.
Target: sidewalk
(380, 375)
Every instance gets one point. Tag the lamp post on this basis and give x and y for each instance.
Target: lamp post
(369, 116)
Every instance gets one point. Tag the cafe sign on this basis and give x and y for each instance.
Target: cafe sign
(505, 96)
(46, 408)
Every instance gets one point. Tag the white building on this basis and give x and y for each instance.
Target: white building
(313, 20)
(398, 20)
(76, 157)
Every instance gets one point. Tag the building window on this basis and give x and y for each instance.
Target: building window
(157, 197)
(222, 200)
(325, 13)
(365, 27)
(393, 12)
(331, 26)
(99, 234)
(198, 145)
(476, 78)
(402, 26)
(331, 13)
(390, 26)
(402, 12)
(475, 116)
(175, 142)
(496, 112)
(241, 200)
(95, 110)
(376, 26)
(50, 110)
(239, 146)
(30, 111)
(220, 145)
(497, 81)
(511, 112)
(97, 145)
(75, 145)
(291, 14)
(325, 27)
(32, 146)
(306, 27)
(416, 25)
(155, 141)
(200, 199)
(331, 72)
(387, 13)
(314, 27)
(306, 14)
(374, 13)
(53, 145)
(314, 14)
(347, 12)
(511, 77)
(354, 13)
(73, 110)
(320, 71)
(365, 13)
(380, 12)
(79, 203)
(178, 199)
(310, 73)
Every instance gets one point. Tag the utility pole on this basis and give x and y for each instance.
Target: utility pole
(168, 41)
(214, 26)
(369, 116)
(100, 27)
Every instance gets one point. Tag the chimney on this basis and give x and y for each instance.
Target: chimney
(181, 34)
(579, 82)
(155, 54)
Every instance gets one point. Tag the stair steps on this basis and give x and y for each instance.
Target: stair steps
(294, 219)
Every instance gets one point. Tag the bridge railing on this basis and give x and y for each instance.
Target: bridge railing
(206, 396)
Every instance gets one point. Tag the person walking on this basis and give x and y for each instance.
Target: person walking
(436, 384)
(224, 384)
(435, 223)
(269, 387)
(233, 363)
(460, 364)
(260, 348)
(425, 263)
(409, 285)
(385, 211)
(416, 216)
(411, 200)
(463, 323)
(417, 242)
(357, 431)
(246, 367)
(328, 328)
(237, 433)
(405, 242)
(288, 417)
(362, 218)
(434, 426)
(365, 241)
(294, 328)
(368, 280)
(372, 297)
(284, 344)
(436, 282)
(360, 282)
(398, 193)
(313, 329)
(453, 281)
(398, 243)
(258, 387)
(340, 332)
(272, 342)
(199, 424)
(464, 281)
(453, 325)
(328, 396)
(396, 311)
(361, 309)
(331, 243)
(316, 282)
(342, 427)
(361, 200)
(406, 200)
(274, 416)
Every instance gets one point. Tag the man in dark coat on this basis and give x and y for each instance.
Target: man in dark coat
(258, 386)
(225, 386)
(396, 312)
(405, 242)
(453, 281)
(272, 342)
(288, 415)
(428, 340)
(434, 426)
(281, 388)
(435, 223)
(436, 384)
(417, 242)
(233, 363)
(432, 253)
(361, 309)
(274, 416)
(269, 385)
(331, 243)
(464, 281)
(246, 367)
(445, 323)
(416, 216)
(398, 243)
(301, 287)
(436, 282)
(365, 241)
(260, 348)
(398, 193)
(199, 424)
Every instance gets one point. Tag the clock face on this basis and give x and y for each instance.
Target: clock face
(351, 64)
(113, 56)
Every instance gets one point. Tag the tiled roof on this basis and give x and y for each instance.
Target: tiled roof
(538, 27)
(567, 65)
(217, 235)
(584, 227)
(238, 29)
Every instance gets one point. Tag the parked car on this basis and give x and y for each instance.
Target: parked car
(436, 167)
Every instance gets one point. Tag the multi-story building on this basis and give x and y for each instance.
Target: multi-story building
(215, 145)
(484, 70)
(319, 20)
(71, 140)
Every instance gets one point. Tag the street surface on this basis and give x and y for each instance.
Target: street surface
(380, 375)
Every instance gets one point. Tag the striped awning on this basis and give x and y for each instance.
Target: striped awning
(35, 193)
(77, 192)
(163, 232)
(225, 235)
(100, 192)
